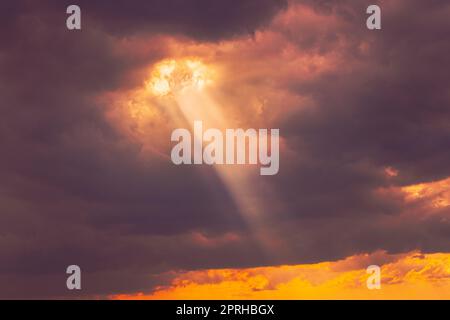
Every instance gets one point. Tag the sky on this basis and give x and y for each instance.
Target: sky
(87, 179)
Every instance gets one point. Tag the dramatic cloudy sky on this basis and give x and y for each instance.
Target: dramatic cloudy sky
(85, 169)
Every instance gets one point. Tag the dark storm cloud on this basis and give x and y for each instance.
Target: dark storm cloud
(389, 105)
(199, 19)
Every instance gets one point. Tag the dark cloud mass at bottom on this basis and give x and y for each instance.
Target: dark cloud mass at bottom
(74, 191)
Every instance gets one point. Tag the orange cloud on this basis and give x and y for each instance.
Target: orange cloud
(403, 276)
(436, 193)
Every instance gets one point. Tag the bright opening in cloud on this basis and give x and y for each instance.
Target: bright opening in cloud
(174, 76)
